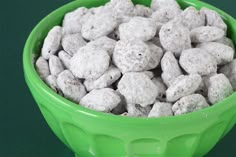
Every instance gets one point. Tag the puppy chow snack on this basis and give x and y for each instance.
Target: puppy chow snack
(71, 86)
(170, 68)
(133, 60)
(55, 65)
(71, 43)
(52, 42)
(182, 86)
(222, 53)
(161, 109)
(219, 88)
(175, 37)
(138, 28)
(137, 88)
(89, 62)
(189, 103)
(103, 100)
(198, 61)
(42, 67)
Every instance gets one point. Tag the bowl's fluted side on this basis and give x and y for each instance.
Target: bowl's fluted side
(91, 136)
(89, 133)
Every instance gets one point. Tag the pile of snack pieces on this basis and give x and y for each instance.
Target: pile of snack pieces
(133, 60)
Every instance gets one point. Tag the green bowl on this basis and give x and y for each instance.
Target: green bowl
(93, 134)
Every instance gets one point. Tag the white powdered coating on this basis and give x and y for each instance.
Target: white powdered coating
(182, 86)
(120, 8)
(189, 103)
(104, 42)
(124, 19)
(156, 55)
(175, 37)
(42, 68)
(170, 68)
(107, 79)
(142, 10)
(142, 35)
(213, 18)
(164, 15)
(55, 65)
(135, 110)
(103, 100)
(51, 81)
(150, 74)
(71, 43)
(71, 87)
(158, 4)
(161, 109)
(131, 55)
(161, 88)
(138, 28)
(52, 42)
(222, 53)
(192, 18)
(65, 58)
(89, 62)
(230, 72)
(226, 41)
(137, 88)
(72, 21)
(219, 88)
(96, 10)
(198, 61)
(206, 34)
(89, 13)
(98, 25)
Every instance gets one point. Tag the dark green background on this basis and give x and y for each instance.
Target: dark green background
(23, 131)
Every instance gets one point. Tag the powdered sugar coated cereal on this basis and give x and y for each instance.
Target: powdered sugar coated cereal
(55, 65)
(107, 79)
(206, 34)
(192, 18)
(71, 43)
(98, 25)
(104, 42)
(138, 28)
(89, 62)
(137, 88)
(222, 53)
(213, 18)
(103, 100)
(198, 61)
(170, 68)
(219, 88)
(42, 68)
(158, 4)
(71, 87)
(175, 37)
(65, 58)
(182, 86)
(52, 42)
(131, 55)
(161, 109)
(189, 103)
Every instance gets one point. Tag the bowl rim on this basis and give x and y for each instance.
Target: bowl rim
(35, 81)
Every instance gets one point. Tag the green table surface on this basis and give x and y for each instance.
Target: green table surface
(23, 131)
